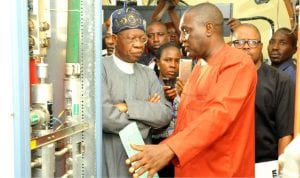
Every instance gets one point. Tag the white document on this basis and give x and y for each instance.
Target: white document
(131, 135)
(268, 169)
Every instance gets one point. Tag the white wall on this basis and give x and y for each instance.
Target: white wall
(6, 95)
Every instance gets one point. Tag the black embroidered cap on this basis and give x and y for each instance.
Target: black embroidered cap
(126, 18)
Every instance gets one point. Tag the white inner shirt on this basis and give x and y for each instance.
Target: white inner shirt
(123, 66)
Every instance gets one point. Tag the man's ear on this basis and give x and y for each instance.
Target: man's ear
(114, 37)
(209, 28)
(295, 50)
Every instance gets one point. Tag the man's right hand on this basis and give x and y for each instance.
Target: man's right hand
(154, 98)
(233, 23)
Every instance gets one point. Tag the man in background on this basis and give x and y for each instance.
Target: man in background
(157, 35)
(282, 47)
(109, 39)
(274, 103)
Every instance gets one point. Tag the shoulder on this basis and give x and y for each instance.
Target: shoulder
(273, 73)
(268, 69)
(237, 57)
(146, 58)
(146, 73)
(107, 65)
(291, 67)
(144, 69)
(288, 65)
(107, 60)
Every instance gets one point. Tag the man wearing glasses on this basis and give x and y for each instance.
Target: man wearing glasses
(274, 104)
(131, 91)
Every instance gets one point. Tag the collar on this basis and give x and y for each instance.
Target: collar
(286, 64)
(123, 66)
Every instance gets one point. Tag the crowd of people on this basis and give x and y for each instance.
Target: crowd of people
(232, 112)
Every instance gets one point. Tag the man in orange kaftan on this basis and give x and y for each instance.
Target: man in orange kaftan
(214, 134)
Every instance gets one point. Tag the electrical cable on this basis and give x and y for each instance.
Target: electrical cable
(270, 21)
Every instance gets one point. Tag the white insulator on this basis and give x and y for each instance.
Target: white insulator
(73, 94)
(36, 163)
(72, 69)
(42, 70)
(42, 93)
(63, 151)
(67, 174)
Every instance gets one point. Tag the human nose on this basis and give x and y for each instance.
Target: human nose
(172, 63)
(275, 45)
(155, 37)
(138, 43)
(246, 45)
(182, 37)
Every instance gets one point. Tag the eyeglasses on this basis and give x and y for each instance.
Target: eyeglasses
(250, 43)
(133, 39)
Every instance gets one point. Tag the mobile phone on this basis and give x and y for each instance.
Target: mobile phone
(185, 69)
(169, 82)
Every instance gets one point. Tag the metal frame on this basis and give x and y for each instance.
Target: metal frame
(21, 108)
(21, 90)
(57, 135)
(98, 113)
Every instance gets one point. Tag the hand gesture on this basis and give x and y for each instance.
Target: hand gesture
(170, 93)
(122, 107)
(233, 23)
(154, 98)
(150, 158)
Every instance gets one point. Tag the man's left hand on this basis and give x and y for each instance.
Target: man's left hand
(122, 107)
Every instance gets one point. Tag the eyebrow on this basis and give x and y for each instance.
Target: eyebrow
(156, 33)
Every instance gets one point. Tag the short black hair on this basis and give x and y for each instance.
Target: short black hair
(164, 46)
(290, 34)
